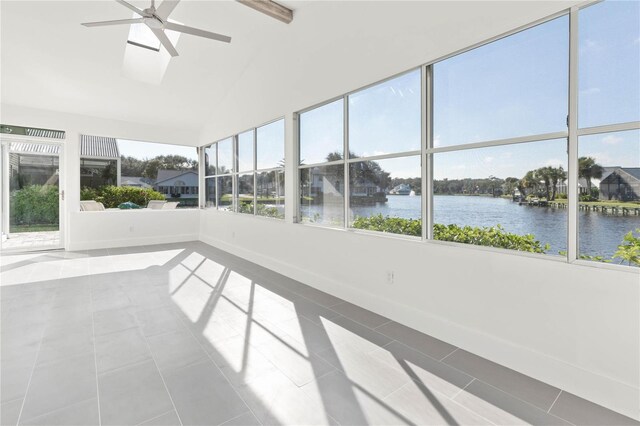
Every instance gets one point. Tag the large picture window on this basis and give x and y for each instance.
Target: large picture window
(504, 145)
(121, 173)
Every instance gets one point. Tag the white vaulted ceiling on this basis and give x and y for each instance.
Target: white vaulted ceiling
(49, 61)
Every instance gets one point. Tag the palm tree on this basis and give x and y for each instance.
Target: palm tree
(557, 175)
(529, 181)
(589, 169)
(544, 173)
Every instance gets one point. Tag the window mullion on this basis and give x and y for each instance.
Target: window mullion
(345, 156)
(572, 145)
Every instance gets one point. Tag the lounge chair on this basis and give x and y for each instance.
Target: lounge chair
(156, 204)
(171, 205)
(91, 206)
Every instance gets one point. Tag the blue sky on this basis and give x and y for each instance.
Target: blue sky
(146, 150)
(516, 86)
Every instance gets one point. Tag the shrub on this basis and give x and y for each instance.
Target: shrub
(35, 204)
(629, 250)
(494, 236)
(261, 210)
(112, 196)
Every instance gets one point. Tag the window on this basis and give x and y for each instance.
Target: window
(322, 195)
(609, 63)
(510, 196)
(258, 190)
(270, 170)
(152, 171)
(383, 169)
(506, 195)
(245, 151)
(609, 159)
(219, 178)
(515, 86)
(321, 134)
(385, 118)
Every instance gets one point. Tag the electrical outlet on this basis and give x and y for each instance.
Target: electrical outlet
(390, 277)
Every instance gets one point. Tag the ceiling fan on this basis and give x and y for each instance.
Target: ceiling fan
(157, 21)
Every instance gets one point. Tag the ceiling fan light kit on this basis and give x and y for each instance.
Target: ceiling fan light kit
(157, 21)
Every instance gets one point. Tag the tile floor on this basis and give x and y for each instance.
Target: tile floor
(31, 240)
(187, 334)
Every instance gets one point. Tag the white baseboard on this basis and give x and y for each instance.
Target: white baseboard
(606, 391)
(128, 242)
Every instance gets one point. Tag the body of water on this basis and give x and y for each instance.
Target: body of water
(600, 234)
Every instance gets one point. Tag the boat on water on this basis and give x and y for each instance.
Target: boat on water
(402, 189)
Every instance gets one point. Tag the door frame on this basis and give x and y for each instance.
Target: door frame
(5, 142)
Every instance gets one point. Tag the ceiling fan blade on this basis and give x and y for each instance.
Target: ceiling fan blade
(118, 22)
(164, 40)
(196, 32)
(132, 7)
(164, 10)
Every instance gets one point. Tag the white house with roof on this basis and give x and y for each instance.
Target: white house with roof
(177, 183)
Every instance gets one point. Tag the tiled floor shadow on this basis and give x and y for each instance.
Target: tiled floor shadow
(187, 334)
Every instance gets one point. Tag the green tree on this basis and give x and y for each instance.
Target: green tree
(510, 185)
(544, 175)
(589, 169)
(557, 175)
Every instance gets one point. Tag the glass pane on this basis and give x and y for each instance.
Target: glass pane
(96, 173)
(157, 171)
(519, 188)
(210, 160)
(245, 151)
(270, 194)
(385, 195)
(270, 145)
(322, 195)
(609, 188)
(225, 192)
(515, 86)
(322, 134)
(609, 63)
(210, 195)
(225, 156)
(33, 196)
(385, 118)
(244, 201)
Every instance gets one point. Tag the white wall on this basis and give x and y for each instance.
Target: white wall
(573, 326)
(90, 230)
(107, 229)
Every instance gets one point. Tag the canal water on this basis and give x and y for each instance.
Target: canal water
(600, 234)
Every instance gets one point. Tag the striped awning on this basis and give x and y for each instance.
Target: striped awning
(31, 131)
(99, 146)
(34, 148)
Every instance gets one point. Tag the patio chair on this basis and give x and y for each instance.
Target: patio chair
(171, 205)
(156, 204)
(91, 206)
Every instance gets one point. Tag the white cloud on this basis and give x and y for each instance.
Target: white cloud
(612, 140)
(488, 159)
(436, 141)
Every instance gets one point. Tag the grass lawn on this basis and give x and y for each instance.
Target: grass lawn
(33, 228)
(619, 204)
